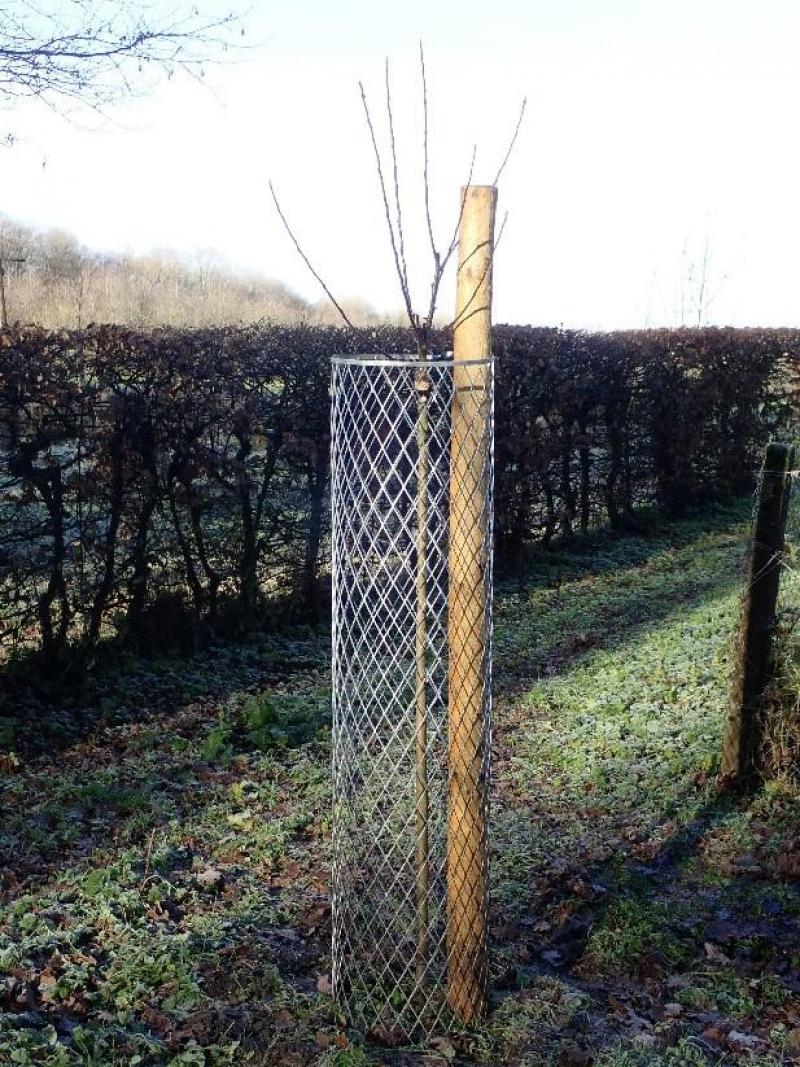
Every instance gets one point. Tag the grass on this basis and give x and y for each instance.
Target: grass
(164, 894)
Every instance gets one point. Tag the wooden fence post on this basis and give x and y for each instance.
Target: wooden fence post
(744, 732)
(467, 875)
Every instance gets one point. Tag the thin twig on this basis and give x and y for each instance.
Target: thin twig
(395, 176)
(513, 141)
(474, 252)
(464, 318)
(306, 260)
(456, 229)
(443, 261)
(462, 315)
(388, 214)
(420, 328)
(425, 163)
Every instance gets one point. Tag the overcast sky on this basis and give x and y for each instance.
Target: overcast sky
(656, 129)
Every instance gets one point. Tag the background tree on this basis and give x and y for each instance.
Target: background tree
(94, 52)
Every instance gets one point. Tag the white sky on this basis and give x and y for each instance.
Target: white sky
(653, 126)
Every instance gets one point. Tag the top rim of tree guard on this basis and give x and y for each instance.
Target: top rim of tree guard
(398, 453)
(376, 360)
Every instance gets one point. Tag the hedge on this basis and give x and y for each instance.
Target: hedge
(164, 485)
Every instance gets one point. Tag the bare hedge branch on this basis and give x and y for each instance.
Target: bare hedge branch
(159, 485)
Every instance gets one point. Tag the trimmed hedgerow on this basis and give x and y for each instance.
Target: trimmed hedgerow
(157, 485)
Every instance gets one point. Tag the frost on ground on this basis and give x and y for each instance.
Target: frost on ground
(165, 851)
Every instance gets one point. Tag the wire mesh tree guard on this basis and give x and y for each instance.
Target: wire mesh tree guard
(412, 576)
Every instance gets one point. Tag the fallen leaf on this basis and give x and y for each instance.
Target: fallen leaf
(574, 1056)
(241, 820)
(740, 1042)
(645, 1040)
(392, 1036)
(443, 1047)
(47, 983)
(788, 866)
(715, 954)
(209, 878)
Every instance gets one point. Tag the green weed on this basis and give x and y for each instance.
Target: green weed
(630, 931)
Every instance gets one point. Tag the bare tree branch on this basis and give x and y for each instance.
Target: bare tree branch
(512, 142)
(393, 214)
(444, 260)
(465, 314)
(307, 262)
(425, 176)
(392, 238)
(395, 173)
(97, 51)
(439, 261)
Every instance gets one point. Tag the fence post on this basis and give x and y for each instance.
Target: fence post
(469, 607)
(744, 733)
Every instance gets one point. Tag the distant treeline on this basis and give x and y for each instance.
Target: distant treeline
(164, 485)
(52, 280)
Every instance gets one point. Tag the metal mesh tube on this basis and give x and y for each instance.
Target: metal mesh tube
(395, 474)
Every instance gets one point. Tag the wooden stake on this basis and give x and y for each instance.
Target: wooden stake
(741, 749)
(467, 880)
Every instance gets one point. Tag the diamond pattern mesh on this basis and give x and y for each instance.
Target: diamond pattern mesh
(411, 500)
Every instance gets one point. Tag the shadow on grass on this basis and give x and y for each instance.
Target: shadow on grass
(589, 836)
(132, 786)
(612, 893)
(38, 718)
(609, 588)
(634, 935)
